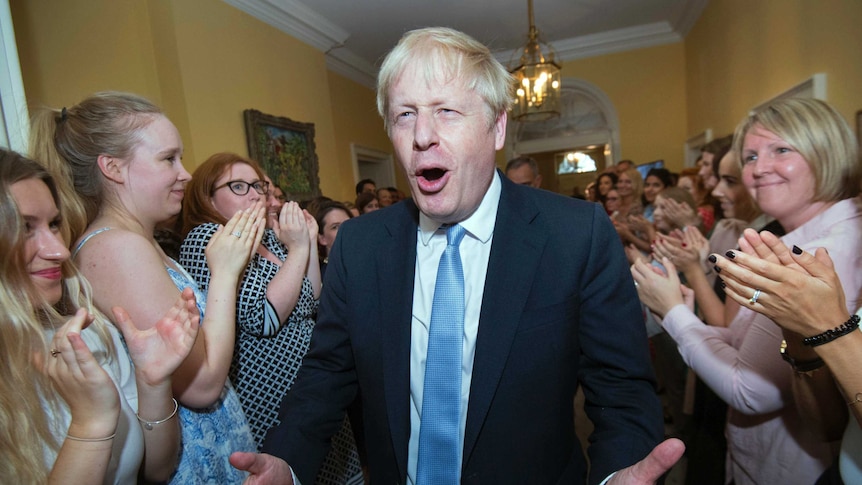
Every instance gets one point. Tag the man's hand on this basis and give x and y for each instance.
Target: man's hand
(264, 469)
(651, 468)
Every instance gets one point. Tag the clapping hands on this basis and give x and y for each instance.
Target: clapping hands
(292, 227)
(89, 392)
(159, 350)
(233, 244)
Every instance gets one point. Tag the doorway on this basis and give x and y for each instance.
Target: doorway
(372, 164)
(582, 141)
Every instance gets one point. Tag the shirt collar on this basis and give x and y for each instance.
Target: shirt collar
(822, 223)
(481, 222)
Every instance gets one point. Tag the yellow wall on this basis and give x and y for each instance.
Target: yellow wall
(205, 62)
(741, 53)
(647, 87)
(354, 115)
(67, 52)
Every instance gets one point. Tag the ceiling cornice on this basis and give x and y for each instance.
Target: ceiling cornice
(619, 40)
(296, 20)
(299, 21)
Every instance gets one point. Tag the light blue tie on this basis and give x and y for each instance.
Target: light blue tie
(439, 462)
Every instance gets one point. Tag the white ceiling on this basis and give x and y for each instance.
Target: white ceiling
(356, 34)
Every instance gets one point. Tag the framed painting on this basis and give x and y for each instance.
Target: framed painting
(859, 127)
(285, 150)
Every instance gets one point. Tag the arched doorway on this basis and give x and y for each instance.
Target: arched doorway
(587, 129)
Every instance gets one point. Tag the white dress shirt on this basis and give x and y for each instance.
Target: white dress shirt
(475, 251)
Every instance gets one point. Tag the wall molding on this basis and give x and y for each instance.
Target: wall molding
(301, 22)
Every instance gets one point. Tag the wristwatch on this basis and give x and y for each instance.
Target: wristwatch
(803, 366)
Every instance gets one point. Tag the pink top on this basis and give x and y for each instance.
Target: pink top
(742, 365)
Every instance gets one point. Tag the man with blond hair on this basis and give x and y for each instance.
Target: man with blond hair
(466, 317)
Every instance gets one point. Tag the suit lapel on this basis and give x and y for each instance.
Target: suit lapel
(515, 251)
(396, 260)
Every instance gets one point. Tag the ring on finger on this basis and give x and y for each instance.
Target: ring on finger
(55, 352)
(754, 297)
(236, 234)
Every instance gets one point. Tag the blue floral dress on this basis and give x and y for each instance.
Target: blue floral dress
(209, 435)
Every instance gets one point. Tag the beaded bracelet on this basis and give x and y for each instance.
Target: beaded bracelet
(148, 425)
(90, 440)
(830, 335)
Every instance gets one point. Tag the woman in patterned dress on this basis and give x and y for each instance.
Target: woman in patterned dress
(122, 161)
(278, 293)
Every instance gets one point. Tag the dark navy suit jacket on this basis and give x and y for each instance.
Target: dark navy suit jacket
(559, 309)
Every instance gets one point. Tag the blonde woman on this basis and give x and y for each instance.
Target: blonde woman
(800, 163)
(75, 409)
(123, 156)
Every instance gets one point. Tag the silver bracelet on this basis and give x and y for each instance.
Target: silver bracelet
(90, 440)
(148, 425)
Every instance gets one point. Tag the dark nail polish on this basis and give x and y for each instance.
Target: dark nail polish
(723, 284)
(717, 269)
(797, 249)
(730, 254)
(712, 258)
(684, 245)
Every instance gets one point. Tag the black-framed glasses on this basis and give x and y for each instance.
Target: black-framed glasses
(241, 187)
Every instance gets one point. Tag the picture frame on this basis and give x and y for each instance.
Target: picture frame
(285, 150)
(859, 127)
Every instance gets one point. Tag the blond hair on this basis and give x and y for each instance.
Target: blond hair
(821, 136)
(27, 397)
(447, 54)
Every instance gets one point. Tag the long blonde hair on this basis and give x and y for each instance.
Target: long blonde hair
(27, 397)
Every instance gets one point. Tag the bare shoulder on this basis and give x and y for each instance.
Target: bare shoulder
(116, 248)
(125, 269)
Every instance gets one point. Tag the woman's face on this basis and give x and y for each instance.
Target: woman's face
(652, 187)
(236, 178)
(625, 186)
(706, 173)
(661, 223)
(44, 248)
(384, 197)
(605, 185)
(613, 201)
(331, 222)
(273, 201)
(687, 183)
(154, 177)
(778, 178)
(736, 202)
(371, 206)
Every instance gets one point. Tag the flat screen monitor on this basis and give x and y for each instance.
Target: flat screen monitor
(644, 168)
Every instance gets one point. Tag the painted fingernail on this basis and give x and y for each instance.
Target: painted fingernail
(712, 258)
(723, 284)
(684, 245)
(717, 269)
(797, 249)
(730, 254)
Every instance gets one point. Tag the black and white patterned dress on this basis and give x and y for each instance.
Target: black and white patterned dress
(268, 353)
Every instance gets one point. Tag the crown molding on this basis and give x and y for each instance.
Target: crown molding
(689, 16)
(296, 20)
(301, 22)
(346, 63)
(612, 41)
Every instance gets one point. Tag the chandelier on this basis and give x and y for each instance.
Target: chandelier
(537, 90)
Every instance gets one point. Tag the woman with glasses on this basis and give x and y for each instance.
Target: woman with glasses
(277, 301)
(118, 160)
